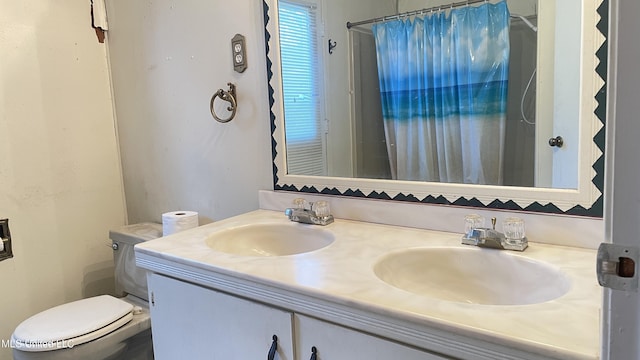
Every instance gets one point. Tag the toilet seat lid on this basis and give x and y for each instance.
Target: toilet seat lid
(72, 324)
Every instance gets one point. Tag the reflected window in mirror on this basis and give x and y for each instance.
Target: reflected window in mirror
(302, 87)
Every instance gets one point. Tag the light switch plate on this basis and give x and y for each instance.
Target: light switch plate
(238, 50)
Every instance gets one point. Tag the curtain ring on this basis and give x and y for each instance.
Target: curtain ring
(229, 96)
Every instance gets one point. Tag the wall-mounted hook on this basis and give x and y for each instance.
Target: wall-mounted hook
(332, 45)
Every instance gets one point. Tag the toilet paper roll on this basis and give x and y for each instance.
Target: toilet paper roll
(176, 221)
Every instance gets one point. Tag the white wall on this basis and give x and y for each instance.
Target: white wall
(60, 180)
(338, 94)
(167, 59)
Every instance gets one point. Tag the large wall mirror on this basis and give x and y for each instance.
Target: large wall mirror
(496, 104)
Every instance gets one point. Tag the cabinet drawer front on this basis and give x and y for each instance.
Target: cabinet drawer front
(191, 322)
(335, 342)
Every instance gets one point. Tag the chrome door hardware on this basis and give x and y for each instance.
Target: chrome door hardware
(616, 267)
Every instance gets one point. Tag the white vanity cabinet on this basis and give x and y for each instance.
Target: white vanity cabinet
(211, 304)
(334, 342)
(193, 322)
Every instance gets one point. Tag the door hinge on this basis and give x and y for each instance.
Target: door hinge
(616, 267)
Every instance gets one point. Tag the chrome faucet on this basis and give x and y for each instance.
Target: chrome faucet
(315, 213)
(491, 238)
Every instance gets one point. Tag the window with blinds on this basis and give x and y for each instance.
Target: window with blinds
(302, 88)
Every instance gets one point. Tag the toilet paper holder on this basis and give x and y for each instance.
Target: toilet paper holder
(5, 240)
(229, 96)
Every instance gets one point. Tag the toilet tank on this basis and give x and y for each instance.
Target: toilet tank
(129, 278)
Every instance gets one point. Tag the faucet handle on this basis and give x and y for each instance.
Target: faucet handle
(472, 222)
(513, 228)
(321, 208)
(300, 203)
(514, 234)
(493, 223)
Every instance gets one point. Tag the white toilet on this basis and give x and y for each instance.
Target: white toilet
(101, 327)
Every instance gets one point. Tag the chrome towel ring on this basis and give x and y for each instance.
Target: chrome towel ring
(229, 96)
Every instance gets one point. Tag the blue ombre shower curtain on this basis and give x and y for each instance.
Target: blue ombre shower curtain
(443, 84)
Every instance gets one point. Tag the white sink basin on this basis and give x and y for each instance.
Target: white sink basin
(270, 239)
(473, 275)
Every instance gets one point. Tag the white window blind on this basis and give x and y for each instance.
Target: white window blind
(302, 89)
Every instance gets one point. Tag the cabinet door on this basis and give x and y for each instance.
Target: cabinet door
(334, 342)
(192, 322)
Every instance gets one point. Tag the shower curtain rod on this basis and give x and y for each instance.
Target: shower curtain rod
(411, 13)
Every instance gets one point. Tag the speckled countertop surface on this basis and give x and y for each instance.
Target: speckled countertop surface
(341, 276)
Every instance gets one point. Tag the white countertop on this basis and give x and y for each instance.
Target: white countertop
(337, 283)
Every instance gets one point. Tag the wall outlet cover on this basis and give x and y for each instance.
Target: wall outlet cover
(238, 50)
